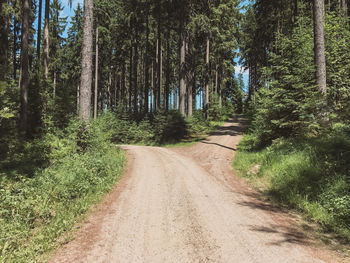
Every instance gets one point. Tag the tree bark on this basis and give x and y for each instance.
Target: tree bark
(146, 94)
(191, 81)
(46, 39)
(153, 78)
(109, 94)
(216, 78)
(54, 84)
(78, 94)
(15, 34)
(182, 91)
(123, 86)
(156, 78)
(319, 48)
(160, 75)
(167, 74)
(207, 78)
(4, 44)
(86, 72)
(220, 87)
(96, 73)
(130, 74)
(24, 80)
(135, 71)
(38, 39)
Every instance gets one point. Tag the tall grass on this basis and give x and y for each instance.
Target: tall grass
(311, 175)
(40, 201)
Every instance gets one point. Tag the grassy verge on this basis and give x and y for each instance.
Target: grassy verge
(312, 176)
(41, 198)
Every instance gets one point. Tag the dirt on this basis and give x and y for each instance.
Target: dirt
(187, 205)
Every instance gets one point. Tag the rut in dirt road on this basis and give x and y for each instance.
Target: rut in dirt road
(186, 205)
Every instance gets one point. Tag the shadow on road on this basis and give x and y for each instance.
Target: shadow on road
(206, 142)
(284, 234)
(232, 130)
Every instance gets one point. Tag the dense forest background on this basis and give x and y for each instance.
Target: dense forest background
(155, 72)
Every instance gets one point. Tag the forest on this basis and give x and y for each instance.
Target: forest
(168, 72)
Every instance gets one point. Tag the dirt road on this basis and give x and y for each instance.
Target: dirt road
(186, 205)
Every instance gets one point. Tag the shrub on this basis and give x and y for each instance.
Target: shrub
(168, 126)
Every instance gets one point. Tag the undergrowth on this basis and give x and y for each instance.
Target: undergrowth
(311, 175)
(160, 128)
(47, 184)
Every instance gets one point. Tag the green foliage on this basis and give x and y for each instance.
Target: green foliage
(310, 175)
(287, 107)
(286, 101)
(168, 126)
(121, 129)
(162, 127)
(48, 185)
(337, 36)
(197, 123)
(158, 128)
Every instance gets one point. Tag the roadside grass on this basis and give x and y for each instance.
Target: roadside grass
(40, 203)
(312, 176)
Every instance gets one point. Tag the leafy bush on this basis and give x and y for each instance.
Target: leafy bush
(168, 126)
(197, 124)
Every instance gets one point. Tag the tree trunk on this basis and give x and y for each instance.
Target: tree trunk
(319, 48)
(167, 80)
(15, 33)
(136, 61)
(156, 77)
(216, 78)
(153, 86)
(46, 39)
(38, 39)
(78, 93)
(159, 65)
(4, 44)
(54, 84)
(182, 91)
(109, 94)
(96, 73)
(87, 53)
(220, 87)
(123, 87)
(160, 75)
(24, 80)
(191, 81)
(146, 94)
(130, 74)
(207, 78)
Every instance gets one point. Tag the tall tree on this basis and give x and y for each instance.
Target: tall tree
(4, 43)
(86, 68)
(38, 38)
(207, 73)
(96, 74)
(24, 81)
(182, 91)
(46, 39)
(319, 47)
